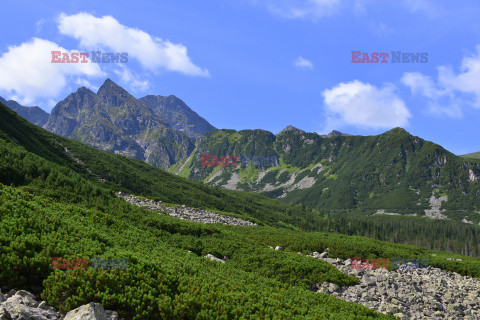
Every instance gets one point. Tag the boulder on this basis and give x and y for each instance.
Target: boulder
(20, 311)
(25, 298)
(278, 248)
(213, 258)
(91, 311)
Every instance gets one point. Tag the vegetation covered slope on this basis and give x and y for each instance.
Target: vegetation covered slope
(475, 155)
(394, 171)
(139, 178)
(49, 208)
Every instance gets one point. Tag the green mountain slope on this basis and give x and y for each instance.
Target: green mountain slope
(137, 177)
(475, 155)
(115, 172)
(52, 206)
(394, 172)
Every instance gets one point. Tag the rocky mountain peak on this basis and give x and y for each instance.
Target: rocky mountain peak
(291, 128)
(398, 130)
(178, 115)
(112, 93)
(111, 88)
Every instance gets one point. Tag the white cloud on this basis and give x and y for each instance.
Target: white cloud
(309, 9)
(86, 83)
(364, 105)
(425, 6)
(129, 77)
(315, 9)
(39, 25)
(28, 74)
(153, 53)
(303, 63)
(383, 30)
(451, 91)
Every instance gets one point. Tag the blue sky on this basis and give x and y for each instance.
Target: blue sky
(250, 64)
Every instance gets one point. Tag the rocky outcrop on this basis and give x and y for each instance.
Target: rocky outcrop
(213, 258)
(409, 292)
(435, 204)
(186, 213)
(23, 305)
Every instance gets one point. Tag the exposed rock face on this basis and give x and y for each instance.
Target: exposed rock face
(435, 204)
(471, 176)
(33, 114)
(409, 292)
(113, 120)
(186, 213)
(23, 305)
(178, 115)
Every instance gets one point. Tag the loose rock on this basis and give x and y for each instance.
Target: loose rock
(186, 213)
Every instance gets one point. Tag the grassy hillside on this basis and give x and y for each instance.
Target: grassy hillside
(475, 155)
(51, 206)
(24, 141)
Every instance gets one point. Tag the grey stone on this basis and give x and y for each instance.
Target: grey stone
(409, 292)
(112, 315)
(24, 297)
(186, 213)
(4, 314)
(91, 311)
(44, 305)
(21, 311)
(213, 258)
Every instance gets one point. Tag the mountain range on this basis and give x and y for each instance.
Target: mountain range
(155, 129)
(391, 173)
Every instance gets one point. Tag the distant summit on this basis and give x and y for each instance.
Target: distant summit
(334, 133)
(178, 115)
(34, 115)
(290, 128)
